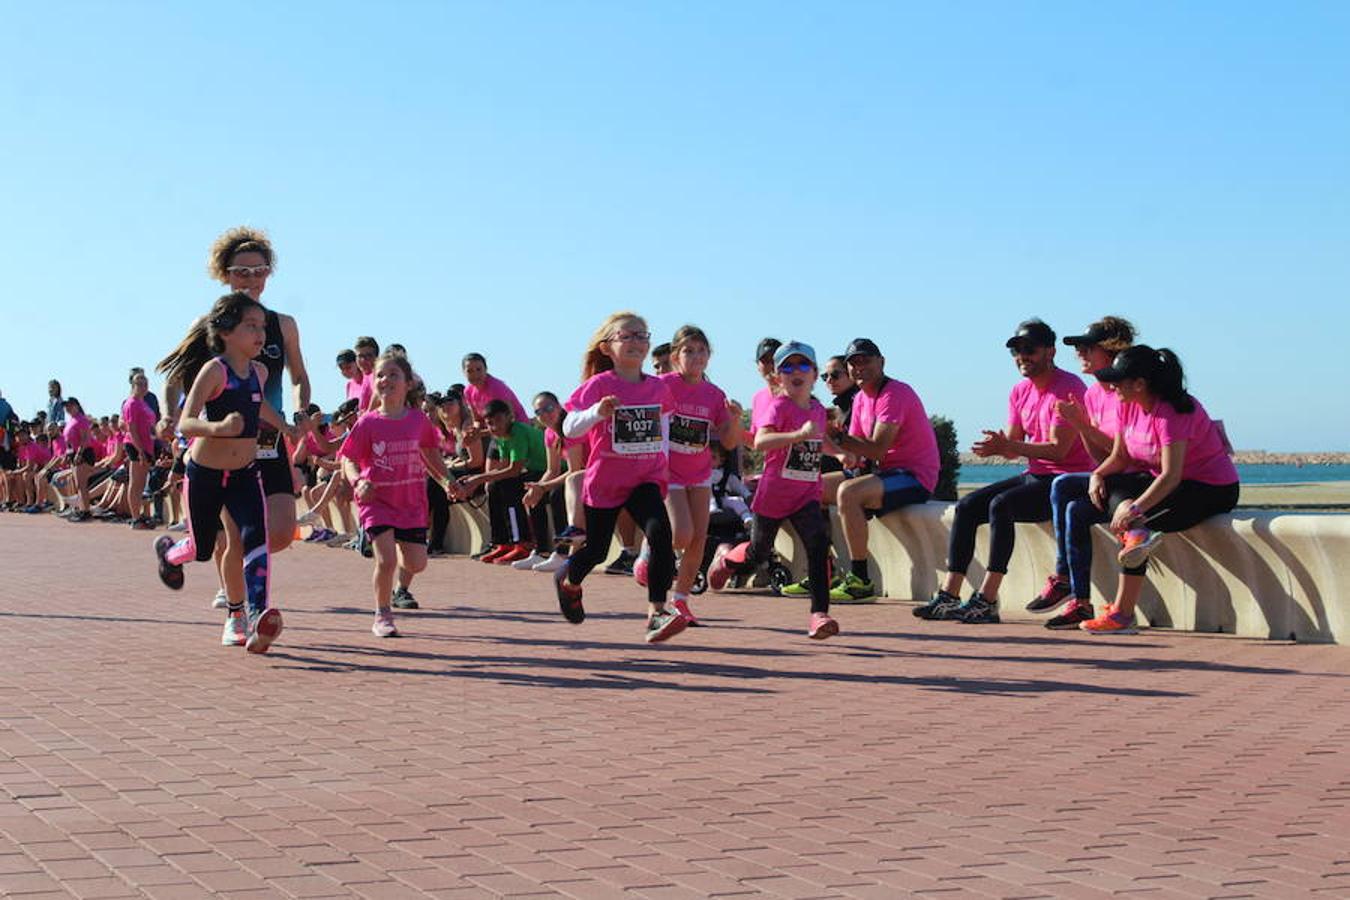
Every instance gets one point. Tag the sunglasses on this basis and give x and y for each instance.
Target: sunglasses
(543, 408)
(625, 337)
(1023, 350)
(248, 271)
(831, 376)
(789, 368)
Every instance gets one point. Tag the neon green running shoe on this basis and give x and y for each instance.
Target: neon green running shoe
(853, 590)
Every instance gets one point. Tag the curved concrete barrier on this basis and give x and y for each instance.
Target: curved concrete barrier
(1255, 573)
(467, 530)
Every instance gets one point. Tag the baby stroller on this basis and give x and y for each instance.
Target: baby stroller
(726, 527)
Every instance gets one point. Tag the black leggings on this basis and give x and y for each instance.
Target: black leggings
(240, 492)
(647, 508)
(439, 505)
(1024, 498)
(506, 512)
(1191, 503)
(549, 511)
(813, 528)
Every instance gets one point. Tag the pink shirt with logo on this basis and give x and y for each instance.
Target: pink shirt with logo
(700, 413)
(388, 453)
(915, 448)
(1146, 433)
(791, 476)
(494, 389)
(139, 419)
(1034, 409)
(630, 448)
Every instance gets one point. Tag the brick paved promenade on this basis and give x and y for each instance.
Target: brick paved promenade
(497, 751)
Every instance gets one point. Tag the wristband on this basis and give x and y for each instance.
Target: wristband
(1136, 511)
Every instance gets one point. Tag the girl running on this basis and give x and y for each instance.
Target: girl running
(1189, 474)
(624, 415)
(385, 458)
(220, 416)
(703, 414)
(791, 434)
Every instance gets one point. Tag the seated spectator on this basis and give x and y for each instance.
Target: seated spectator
(522, 458)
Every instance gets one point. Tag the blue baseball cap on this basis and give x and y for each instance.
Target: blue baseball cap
(794, 348)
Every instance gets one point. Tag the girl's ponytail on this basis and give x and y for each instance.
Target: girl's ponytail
(1169, 382)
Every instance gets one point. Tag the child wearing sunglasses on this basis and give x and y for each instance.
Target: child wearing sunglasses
(792, 435)
(624, 414)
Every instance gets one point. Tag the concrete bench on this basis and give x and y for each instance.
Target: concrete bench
(1255, 573)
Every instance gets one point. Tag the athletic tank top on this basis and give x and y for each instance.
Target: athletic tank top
(241, 395)
(273, 356)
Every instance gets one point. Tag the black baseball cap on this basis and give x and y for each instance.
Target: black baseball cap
(1109, 330)
(1034, 332)
(767, 347)
(861, 347)
(1138, 361)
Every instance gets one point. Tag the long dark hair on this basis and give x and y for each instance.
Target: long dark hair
(204, 339)
(1161, 371)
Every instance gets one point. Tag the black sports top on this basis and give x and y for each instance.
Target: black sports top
(273, 356)
(241, 395)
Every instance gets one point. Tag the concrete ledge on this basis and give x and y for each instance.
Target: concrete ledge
(467, 530)
(1254, 573)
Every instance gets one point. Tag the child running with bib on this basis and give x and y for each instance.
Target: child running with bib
(791, 434)
(385, 458)
(624, 414)
(220, 416)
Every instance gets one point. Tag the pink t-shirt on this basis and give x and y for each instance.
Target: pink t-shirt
(553, 439)
(35, 454)
(700, 413)
(629, 449)
(1146, 433)
(791, 476)
(367, 391)
(388, 453)
(1034, 409)
(76, 433)
(59, 445)
(759, 407)
(1103, 408)
(139, 420)
(354, 388)
(494, 389)
(915, 447)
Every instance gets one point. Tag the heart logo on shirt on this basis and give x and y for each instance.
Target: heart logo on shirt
(378, 447)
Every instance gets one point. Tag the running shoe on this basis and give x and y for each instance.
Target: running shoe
(978, 611)
(640, 570)
(496, 551)
(719, 570)
(80, 515)
(1136, 545)
(170, 574)
(66, 513)
(803, 588)
(403, 599)
(1055, 592)
(99, 512)
(177, 526)
(384, 626)
(528, 562)
(221, 601)
(853, 589)
(236, 631)
(308, 518)
(143, 524)
(623, 564)
(569, 597)
(940, 608)
(1076, 613)
(515, 553)
(341, 539)
(681, 606)
(264, 628)
(821, 627)
(1110, 623)
(552, 564)
(572, 535)
(663, 626)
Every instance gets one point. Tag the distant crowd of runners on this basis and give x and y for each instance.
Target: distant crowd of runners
(654, 456)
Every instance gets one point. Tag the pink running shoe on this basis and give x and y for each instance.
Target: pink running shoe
(265, 629)
(681, 606)
(640, 570)
(822, 627)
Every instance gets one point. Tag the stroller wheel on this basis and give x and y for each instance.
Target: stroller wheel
(779, 577)
(700, 583)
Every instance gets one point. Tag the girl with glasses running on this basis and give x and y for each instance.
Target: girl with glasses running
(624, 414)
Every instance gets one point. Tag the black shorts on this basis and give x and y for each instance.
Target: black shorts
(311, 476)
(8, 461)
(85, 456)
(276, 476)
(133, 455)
(402, 535)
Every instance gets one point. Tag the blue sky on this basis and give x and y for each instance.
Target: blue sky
(499, 176)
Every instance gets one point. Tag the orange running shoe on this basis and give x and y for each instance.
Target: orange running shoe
(1135, 546)
(1110, 623)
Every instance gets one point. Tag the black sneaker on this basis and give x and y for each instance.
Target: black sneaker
(569, 597)
(170, 574)
(978, 611)
(622, 565)
(1077, 611)
(941, 607)
(402, 599)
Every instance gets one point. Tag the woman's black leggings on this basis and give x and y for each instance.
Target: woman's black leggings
(1191, 503)
(1024, 498)
(647, 508)
(813, 528)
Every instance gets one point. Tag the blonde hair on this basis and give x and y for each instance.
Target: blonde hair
(595, 359)
(242, 239)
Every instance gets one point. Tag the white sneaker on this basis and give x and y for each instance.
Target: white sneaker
(528, 562)
(552, 564)
(236, 632)
(177, 526)
(308, 518)
(221, 600)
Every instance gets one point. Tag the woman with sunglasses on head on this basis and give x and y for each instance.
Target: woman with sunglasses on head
(624, 414)
(1188, 474)
(703, 414)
